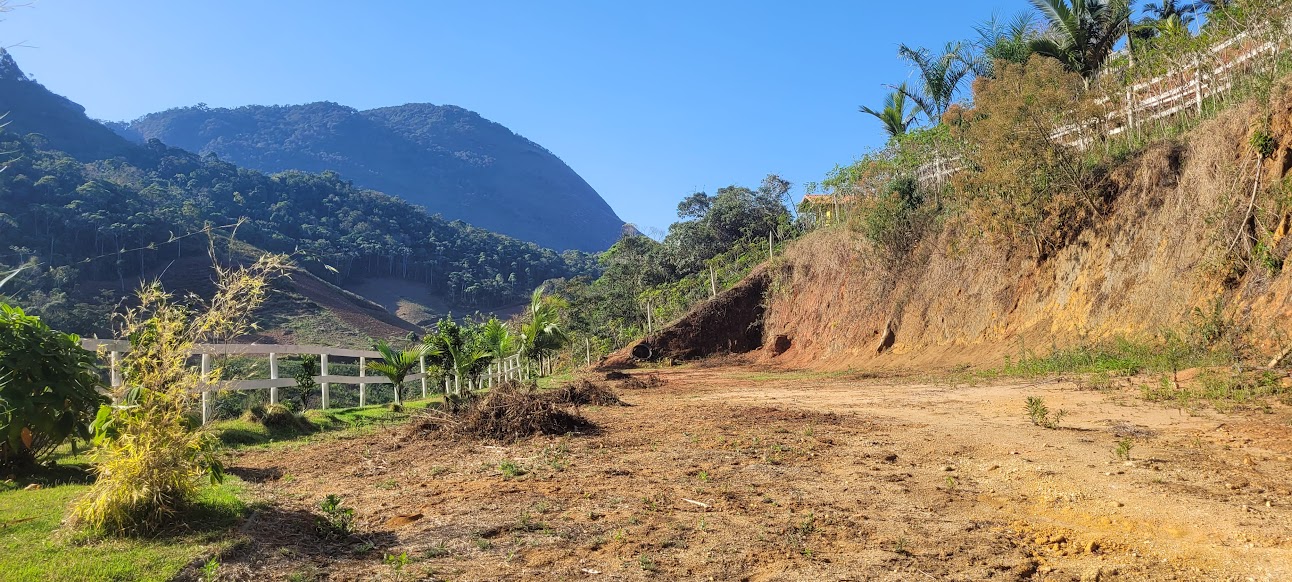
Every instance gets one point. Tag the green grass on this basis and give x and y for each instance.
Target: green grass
(246, 432)
(1223, 389)
(1117, 357)
(35, 546)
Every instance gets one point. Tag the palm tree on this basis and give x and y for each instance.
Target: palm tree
(1082, 33)
(1004, 41)
(1165, 19)
(497, 338)
(940, 78)
(465, 361)
(397, 365)
(542, 335)
(894, 116)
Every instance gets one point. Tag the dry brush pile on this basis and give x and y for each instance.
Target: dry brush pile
(513, 411)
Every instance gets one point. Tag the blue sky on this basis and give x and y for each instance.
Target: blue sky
(647, 101)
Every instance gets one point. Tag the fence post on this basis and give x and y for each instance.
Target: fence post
(421, 365)
(1197, 84)
(363, 386)
(273, 375)
(206, 388)
(323, 386)
(114, 367)
(1130, 107)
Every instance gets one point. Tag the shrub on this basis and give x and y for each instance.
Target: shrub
(48, 388)
(1028, 182)
(149, 460)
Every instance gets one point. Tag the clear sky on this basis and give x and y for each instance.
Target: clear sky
(648, 101)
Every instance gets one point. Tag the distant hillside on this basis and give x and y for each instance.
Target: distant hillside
(60, 124)
(89, 229)
(445, 158)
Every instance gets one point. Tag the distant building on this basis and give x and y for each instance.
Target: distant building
(823, 209)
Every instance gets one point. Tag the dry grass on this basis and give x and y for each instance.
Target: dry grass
(509, 413)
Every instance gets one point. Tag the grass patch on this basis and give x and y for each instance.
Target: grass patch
(246, 431)
(34, 545)
(1119, 357)
(1223, 389)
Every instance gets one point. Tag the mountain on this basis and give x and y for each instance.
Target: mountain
(58, 123)
(447, 159)
(90, 214)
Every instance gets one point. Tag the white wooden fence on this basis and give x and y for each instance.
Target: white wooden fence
(509, 368)
(1179, 90)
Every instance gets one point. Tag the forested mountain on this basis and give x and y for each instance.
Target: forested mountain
(444, 158)
(59, 123)
(85, 226)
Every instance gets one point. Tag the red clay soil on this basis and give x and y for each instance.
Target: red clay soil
(731, 323)
(750, 474)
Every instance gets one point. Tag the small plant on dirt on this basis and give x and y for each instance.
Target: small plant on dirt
(337, 521)
(211, 570)
(703, 476)
(510, 470)
(397, 563)
(647, 564)
(1040, 414)
(1264, 143)
(951, 483)
(1124, 446)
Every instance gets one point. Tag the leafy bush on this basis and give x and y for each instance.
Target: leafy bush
(149, 461)
(48, 388)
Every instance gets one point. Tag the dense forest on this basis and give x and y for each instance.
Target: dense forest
(87, 230)
(448, 159)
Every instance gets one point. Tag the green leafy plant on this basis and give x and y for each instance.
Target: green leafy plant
(397, 365)
(541, 335)
(510, 470)
(211, 570)
(336, 521)
(48, 388)
(398, 563)
(1040, 414)
(1263, 143)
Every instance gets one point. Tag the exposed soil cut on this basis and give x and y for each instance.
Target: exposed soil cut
(731, 323)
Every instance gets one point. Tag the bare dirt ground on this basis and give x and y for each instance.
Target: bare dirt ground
(736, 474)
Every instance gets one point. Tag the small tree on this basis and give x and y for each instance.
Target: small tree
(149, 461)
(397, 365)
(541, 336)
(48, 388)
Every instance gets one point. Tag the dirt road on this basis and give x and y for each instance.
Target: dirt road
(733, 474)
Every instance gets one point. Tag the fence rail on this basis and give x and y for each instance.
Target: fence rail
(508, 368)
(1178, 90)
